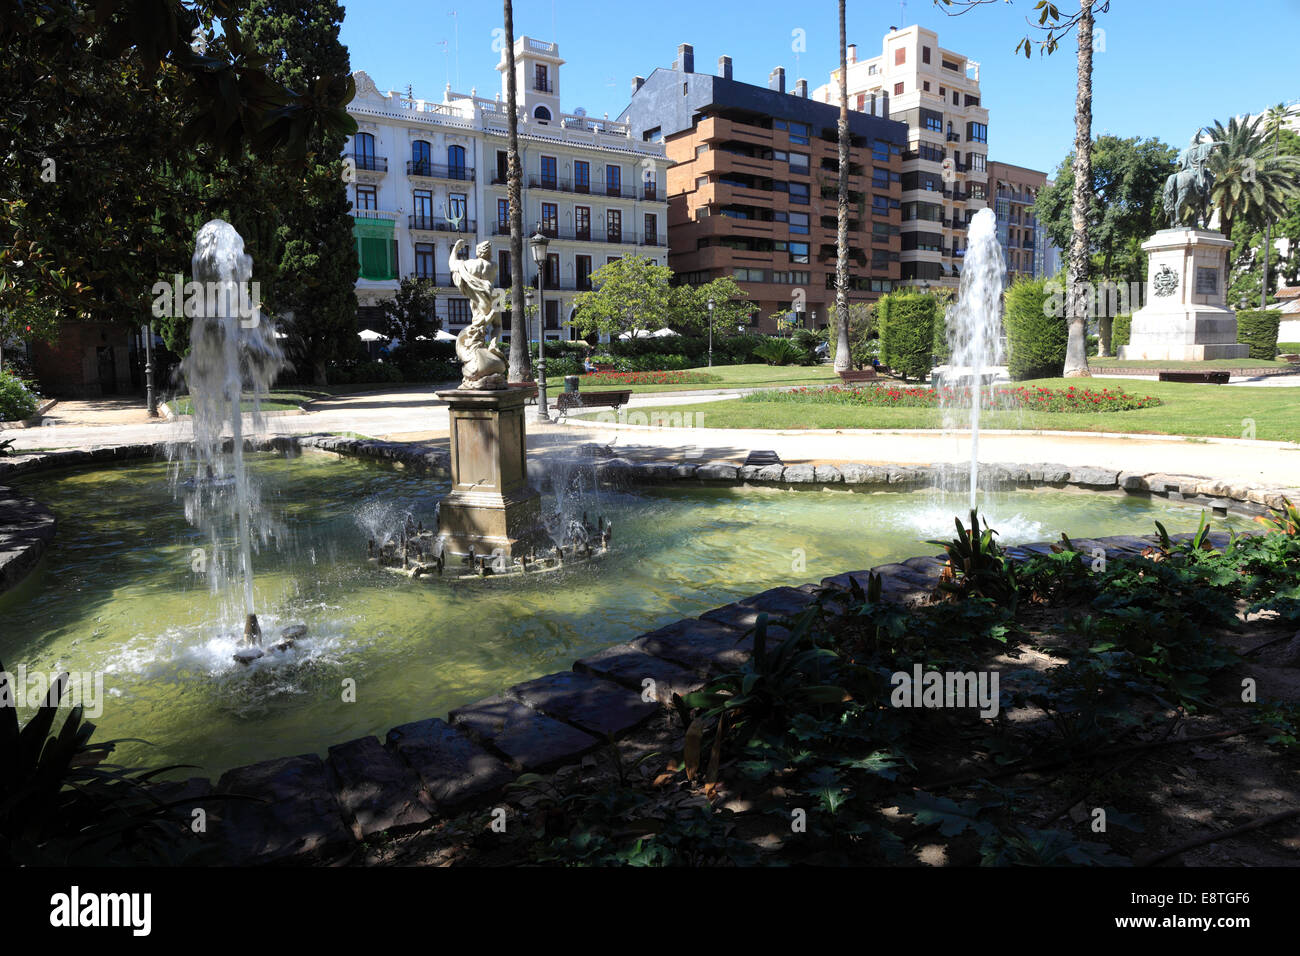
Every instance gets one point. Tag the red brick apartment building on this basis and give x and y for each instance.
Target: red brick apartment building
(753, 188)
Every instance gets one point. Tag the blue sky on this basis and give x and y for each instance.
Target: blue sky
(1146, 79)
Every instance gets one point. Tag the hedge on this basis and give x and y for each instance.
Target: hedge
(1258, 329)
(906, 321)
(1121, 328)
(16, 400)
(1036, 339)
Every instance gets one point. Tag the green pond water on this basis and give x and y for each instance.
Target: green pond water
(117, 595)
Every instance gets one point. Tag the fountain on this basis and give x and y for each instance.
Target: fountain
(974, 322)
(232, 353)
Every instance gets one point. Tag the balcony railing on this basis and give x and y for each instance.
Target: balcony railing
(419, 167)
(374, 164)
(429, 223)
(954, 137)
(651, 193)
(543, 86)
(625, 237)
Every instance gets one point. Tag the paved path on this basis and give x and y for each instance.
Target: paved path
(417, 414)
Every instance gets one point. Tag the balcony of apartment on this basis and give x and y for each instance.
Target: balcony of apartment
(425, 222)
(729, 226)
(622, 237)
(718, 129)
(952, 137)
(538, 85)
(372, 214)
(421, 169)
(724, 257)
(729, 194)
(368, 169)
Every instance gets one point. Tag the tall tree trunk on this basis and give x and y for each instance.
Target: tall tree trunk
(843, 356)
(1076, 350)
(520, 369)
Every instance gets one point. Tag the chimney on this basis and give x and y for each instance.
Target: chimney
(686, 58)
(776, 80)
(801, 89)
(637, 83)
(724, 67)
(853, 53)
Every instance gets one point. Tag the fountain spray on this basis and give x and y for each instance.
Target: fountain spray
(975, 320)
(232, 350)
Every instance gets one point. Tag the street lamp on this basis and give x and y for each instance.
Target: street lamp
(538, 246)
(529, 298)
(711, 304)
(151, 400)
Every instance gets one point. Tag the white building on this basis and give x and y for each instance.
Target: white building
(429, 173)
(936, 92)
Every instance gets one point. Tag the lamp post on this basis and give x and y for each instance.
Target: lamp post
(538, 245)
(529, 298)
(711, 304)
(151, 400)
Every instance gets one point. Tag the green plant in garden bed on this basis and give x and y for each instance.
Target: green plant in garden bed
(18, 400)
(648, 378)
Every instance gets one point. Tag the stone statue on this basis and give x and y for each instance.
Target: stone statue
(1187, 192)
(483, 364)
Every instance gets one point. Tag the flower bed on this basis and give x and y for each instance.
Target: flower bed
(1070, 399)
(648, 378)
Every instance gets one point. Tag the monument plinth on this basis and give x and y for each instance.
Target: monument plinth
(490, 507)
(1185, 318)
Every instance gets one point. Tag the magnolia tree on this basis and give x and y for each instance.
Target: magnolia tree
(628, 295)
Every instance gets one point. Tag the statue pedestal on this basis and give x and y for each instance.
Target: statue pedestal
(1185, 318)
(490, 507)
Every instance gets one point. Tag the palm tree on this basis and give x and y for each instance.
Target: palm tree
(1249, 184)
(843, 358)
(1273, 123)
(1076, 349)
(519, 370)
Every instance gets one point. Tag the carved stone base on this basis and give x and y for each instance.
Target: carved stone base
(491, 506)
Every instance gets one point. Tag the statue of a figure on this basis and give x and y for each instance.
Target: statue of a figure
(1187, 192)
(483, 364)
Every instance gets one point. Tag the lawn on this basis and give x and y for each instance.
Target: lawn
(728, 376)
(277, 400)
(1196, 410)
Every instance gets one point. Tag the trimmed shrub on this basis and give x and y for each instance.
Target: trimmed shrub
(1120, 330)
(17, 401)
(1258, 329)
(1036, 340)
(907, 321)
(365, 373)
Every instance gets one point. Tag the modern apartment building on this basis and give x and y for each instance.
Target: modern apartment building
(429, 173)
(936, 93)
(753, 188)
(1028, 251)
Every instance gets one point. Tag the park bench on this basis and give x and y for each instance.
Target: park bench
(858, 375)
(532, 390)
(1198, 378)
(585, 400)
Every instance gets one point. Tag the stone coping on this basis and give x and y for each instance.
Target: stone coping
(313, 809)
(26, 530)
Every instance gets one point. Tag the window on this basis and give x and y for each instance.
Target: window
(799, 133)
(457, 207)
(880, 151)
(701, 182)
(548, 173)
(799, 163)
(503, 166)
(614, 225)
(977, 132)
(542, 115)
(582, 222)
(553, 308)
(925, 54)
(377, 257)
(651, 237)
(424, 267)
(458, 312)
(701, 150)
(363, 151)
(932, 121)
(552, 270)
(542, 79)
(955, 98)
(367, 198)
(649, 185)
(504, 278)
(978, 161)
(949, 65)
(550, 219)
(898, 89)
(799, 252)
(422, 200)
(799, 193)
(421, 159)
(581, 176)
(926, 86)
(455, 162)
(582, 267)
(613, 180)
(503, 217)
(900, 56)
(610, 259)
(799, 223)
